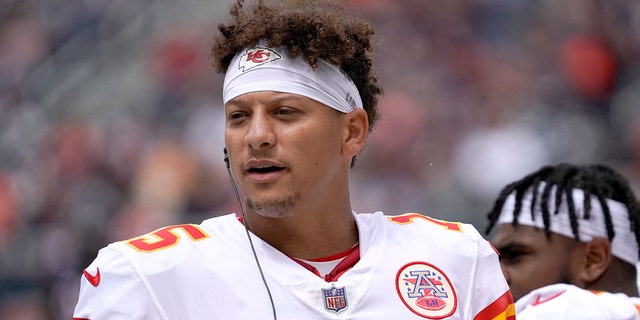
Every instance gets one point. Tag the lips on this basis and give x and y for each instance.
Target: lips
(266, 169)
(263, 171)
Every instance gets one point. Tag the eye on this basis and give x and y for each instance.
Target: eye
(286, 113)
(512, 256)
(235, 115)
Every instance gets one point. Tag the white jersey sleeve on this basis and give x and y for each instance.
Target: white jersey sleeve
(490, 292)
(461, 259)
(111, 289)
(568, 302)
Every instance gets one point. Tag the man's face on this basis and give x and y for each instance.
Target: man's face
(285, 150)
(530, 260)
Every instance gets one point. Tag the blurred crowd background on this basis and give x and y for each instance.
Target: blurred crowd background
(111, 118)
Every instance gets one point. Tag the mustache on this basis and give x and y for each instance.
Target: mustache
(266, 154)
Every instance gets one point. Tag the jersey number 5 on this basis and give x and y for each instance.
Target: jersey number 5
(166, 237)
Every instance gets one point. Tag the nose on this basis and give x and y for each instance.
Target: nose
(260, 134)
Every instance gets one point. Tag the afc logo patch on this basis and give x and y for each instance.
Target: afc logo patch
(255, 57)
(334, 299)
(426, 290)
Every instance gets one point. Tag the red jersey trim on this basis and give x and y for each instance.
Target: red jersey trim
(353, 256)
(502, 308)
(336, 256)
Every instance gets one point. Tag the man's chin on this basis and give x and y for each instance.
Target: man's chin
(273, 208)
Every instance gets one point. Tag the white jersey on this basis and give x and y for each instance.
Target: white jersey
(410, 267)
(568, 302)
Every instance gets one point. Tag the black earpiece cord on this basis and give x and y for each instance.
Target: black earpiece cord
(246, 229)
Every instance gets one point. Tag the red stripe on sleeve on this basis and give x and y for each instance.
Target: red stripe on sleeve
(501, 309)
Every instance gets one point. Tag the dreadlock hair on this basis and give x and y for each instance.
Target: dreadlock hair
(596, 180)
(314, 29)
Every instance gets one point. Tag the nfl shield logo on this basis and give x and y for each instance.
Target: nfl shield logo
(334, 299)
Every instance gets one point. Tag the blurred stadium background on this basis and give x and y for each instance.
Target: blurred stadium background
(111, 119)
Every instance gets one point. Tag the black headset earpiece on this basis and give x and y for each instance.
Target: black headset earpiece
(226, 157)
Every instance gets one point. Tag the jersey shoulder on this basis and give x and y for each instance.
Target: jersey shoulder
(426, 225)
(576, 303)
(419, 231)
(172, 245)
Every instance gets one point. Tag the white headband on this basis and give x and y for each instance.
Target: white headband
(272, 69)
(623, 245)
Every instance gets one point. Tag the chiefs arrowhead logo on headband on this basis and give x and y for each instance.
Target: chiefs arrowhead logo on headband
(255, 57)
(264, 68)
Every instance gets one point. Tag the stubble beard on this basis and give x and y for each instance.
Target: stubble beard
(274, 208)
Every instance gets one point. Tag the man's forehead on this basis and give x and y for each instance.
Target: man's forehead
(522, 235)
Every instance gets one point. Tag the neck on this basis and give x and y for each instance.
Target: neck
(306, 236)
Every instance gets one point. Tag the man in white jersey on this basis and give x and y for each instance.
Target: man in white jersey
(300, 99)
(568, 241)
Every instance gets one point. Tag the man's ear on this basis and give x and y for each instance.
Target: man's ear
(597, 254)
(357, 130)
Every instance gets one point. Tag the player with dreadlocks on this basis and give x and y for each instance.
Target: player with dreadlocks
(568, 237)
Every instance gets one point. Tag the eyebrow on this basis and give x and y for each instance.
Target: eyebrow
(278, 98)
(510, 246)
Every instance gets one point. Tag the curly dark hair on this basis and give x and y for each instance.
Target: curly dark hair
(597, 180)
(315, 29)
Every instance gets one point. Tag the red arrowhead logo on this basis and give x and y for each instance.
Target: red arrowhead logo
(256, 57)
(93, 279)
